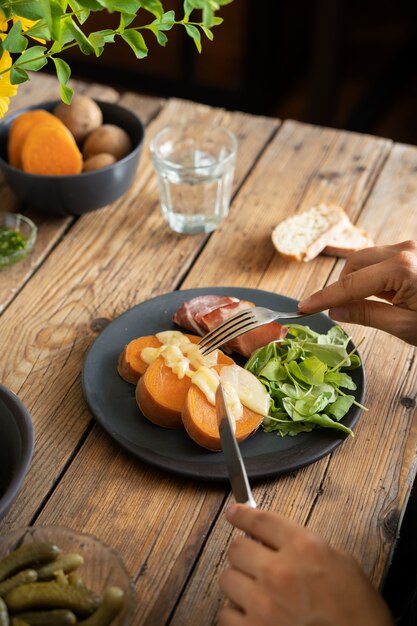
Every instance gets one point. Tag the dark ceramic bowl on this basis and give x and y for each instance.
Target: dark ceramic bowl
(80, 193)
(16, 446)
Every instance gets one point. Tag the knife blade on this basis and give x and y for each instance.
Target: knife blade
(233, 458)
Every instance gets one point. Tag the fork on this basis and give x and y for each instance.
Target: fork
(241, 323)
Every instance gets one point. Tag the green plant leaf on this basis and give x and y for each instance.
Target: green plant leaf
(342, 405)
(136, 42)
(325, 421)
(153, 6)
(41, 31)
(92, 5)
(161, 38)
(6, 11)
(125, 20)
(99, 38)
(123, 6)
(195, 34)
(26, 8)
(81, 13)
(15, 41)
(207, 33)
(340, 379)
(66, 93)
(45, 7)
(18, 76)
(63, 70)
(166, 22)
(32, 59)
(82, 41)
(313, 370)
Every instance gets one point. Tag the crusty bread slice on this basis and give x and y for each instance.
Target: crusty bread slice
(348, 240)
(302, 237)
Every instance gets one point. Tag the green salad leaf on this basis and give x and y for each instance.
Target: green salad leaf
(304, 375)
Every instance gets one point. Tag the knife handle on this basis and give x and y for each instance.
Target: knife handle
(251, 502)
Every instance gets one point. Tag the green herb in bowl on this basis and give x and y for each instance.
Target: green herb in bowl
(17, 237)
(305, 375)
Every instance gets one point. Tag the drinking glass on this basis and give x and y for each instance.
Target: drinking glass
(195, 164)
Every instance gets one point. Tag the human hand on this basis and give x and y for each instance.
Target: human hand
(293, 578)
(388, 272)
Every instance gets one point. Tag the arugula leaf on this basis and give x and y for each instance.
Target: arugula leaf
(342, 405)
(303, 377)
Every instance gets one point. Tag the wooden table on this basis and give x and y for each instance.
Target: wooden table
(84, 272)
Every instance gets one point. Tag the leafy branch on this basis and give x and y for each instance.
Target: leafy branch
(38, 31)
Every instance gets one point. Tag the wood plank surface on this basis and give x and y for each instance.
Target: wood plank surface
(342, 168)
(59, 327)
(171, 531)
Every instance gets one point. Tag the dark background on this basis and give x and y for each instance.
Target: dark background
(341, 63)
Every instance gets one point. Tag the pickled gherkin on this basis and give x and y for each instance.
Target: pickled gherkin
(27, 555)
(41, 595)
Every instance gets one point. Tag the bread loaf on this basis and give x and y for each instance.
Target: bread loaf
(348, 240)
(302, 237)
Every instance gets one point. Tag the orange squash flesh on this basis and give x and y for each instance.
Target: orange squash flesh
(161, 395)
(199, 418)
(50, 150)
(131, 365)
(19, 130)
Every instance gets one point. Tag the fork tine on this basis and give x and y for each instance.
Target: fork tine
(228, 325)
(219, 341)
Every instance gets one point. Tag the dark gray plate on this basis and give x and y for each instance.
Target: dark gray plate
(112, 400)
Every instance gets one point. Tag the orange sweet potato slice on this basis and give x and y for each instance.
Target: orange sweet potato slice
(19, 130)
(50, 150)
(161, 395)
(131, 365)
(199, 418)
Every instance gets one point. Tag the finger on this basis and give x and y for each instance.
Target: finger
(239, 588)
(272, 529)
(249, 557)
(354, 286)
(258, 605)
(368, 256)
(394, 320)
(229, 616)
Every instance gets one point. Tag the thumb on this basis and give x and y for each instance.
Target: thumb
(392, 319)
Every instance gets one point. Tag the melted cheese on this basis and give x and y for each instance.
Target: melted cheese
(175, 359)
(233, 403)
(185, 359)
(149, 355)
(207, 380)
(179, 353)
(251, 391)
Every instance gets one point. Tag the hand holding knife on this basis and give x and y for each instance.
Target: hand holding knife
(234, 462)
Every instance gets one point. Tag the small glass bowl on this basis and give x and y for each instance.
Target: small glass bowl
(28, 231)
(103, 567)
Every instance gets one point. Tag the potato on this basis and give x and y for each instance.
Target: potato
(98, 161)
(81, 117)
(109, 139)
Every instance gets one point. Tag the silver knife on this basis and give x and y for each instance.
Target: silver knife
(234, 462)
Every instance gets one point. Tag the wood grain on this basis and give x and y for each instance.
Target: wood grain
(171, 531)
(114, 246)
(352, 479)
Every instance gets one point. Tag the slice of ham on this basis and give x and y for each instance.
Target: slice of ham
(205, 313)
(186, 314)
